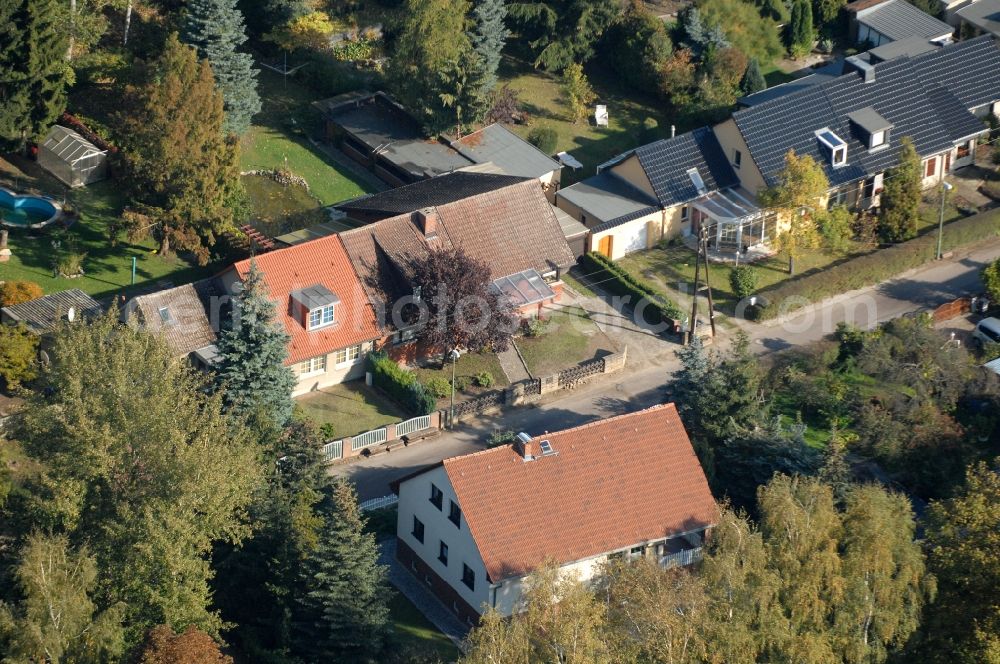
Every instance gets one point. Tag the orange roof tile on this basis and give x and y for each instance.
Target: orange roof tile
(321, 261)
(610, 484)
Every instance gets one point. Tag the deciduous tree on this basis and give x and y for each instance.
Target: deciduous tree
(192, 646)
(577, 92)
(900, 199)
(744, 27)
(179, 168)
(215, 28)
(15, 292)
(639, 45)
(18, 354)
(795, 196)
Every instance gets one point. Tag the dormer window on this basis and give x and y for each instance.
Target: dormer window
(878, 138)
(870, 127)
(834, 147)
(315, 307)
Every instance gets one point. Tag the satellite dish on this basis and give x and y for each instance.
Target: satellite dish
(71, 314)
(44, 357)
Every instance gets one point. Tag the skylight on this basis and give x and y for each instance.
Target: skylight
(165, 316)
(696, 180)
(546, 448)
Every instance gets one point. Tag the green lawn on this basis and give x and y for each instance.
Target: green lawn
(277, 139)
(930, 213)
(541, 98)
(671, 268)
(570, 337)
(468, 367)
(416, 635)
(578, 285)
(108, 270)
(348, 409)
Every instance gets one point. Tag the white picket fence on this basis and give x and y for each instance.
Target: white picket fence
(367, 439)
(333, 450)
(681, 558)
(378, 503)
(412, 425)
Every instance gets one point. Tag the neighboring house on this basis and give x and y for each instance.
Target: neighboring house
(979, 17)
(377, 131)
(879, 22)
(186, 317)
(512, 229)
(473, 527)
(851, 124)
(42, 315)
(322, 306)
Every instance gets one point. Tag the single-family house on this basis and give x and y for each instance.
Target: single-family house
(879, 22)
(321, 304)
(43, 314)
(496, 149)
(187, 317)
(473, 527)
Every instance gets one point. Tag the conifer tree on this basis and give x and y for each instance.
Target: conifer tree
(344, 613)
(900, 200)
(752, 81)
(800, 29)
(251, 368)
(216, 29)
(489, 37)
(33, 69)
(180, 169)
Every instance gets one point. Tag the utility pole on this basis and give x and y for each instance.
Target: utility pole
(708, 286)
(701, 258)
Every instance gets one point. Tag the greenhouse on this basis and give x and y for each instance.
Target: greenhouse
(72, 158)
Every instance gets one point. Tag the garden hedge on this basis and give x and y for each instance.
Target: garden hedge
(400, 384)
(619, 281)
(872, 268)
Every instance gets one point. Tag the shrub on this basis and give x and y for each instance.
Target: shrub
(743, 281)
(620, 282)
(439, 387)
(462, 383)
(423, 402)
(991, 280)
(872, 268)
(501, 437)
(16, 292)
(18, 349)
(484, 379)
(544, 138)
(399, 384)
(70, 263)
(535, 327)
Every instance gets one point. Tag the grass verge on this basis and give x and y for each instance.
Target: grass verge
(415, 634)
(570, 337)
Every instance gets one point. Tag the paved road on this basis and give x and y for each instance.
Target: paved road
(640, 386)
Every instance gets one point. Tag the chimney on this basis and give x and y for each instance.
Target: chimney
(526, 447)
(427, 219)
(673, 131)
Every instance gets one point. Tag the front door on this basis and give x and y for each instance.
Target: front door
(604, 245)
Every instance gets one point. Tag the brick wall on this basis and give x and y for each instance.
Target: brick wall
(427, 576)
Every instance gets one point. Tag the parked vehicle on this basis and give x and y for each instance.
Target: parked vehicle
(987, 331)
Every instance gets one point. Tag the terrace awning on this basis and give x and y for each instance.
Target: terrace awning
(524, 288)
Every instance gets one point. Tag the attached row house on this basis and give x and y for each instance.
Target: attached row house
(851, 123)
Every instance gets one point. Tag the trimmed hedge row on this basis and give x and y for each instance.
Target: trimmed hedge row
(400, 384)
(616, 280)
(872, 268)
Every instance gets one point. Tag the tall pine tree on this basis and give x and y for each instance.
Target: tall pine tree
(489, 37)
(216, 29)
(344, 613)
(33, 69)
(752, 81)
(252, 352)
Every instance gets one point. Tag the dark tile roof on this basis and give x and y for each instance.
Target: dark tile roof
(956, 119)
(901, 93)
(606, 196)
(624, 219)
(510, 153)
(667, 161)
(984, 14)
(42, 314)
(898, 19)
(822, 74)
(439, 190)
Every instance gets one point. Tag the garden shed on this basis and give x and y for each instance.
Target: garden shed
(72, 158)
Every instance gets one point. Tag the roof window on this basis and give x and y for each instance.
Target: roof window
(165, 316)
(697, 181)
(546, 448)
(317, 306)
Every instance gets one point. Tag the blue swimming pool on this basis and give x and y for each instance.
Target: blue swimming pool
(26, 211)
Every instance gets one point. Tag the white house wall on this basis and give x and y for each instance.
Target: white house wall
(334, 375)
(414, 500)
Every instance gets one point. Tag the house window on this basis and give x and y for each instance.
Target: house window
(931, 167)
(437, 498)
(321, 317)
(737, 158)
(313, 365)
(468, 577)
(455, 514)
(685, 213)
(963, 151)
(403, 336)
(878, 138)
(443, 554)
(840, 156)
(345, 355)
(838, 197)
(418, 530)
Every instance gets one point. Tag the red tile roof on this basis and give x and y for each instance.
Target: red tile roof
(610, 484)
(322, 261)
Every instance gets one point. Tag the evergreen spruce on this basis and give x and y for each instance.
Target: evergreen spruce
(344, 613)
(33, 69)
(252, 352)
(216, 29)
(489, 37)
(752, 81)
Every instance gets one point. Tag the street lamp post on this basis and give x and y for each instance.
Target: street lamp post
(453, 355)
(945, 188)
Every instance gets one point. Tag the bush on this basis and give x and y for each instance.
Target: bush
(872, 268)
(16, 292)
(620, 282)
(400, 384)
(439, 387)
(991, 280)
(484, 379)
(70, 263)
(462, 383)
(535, 327)
(18, 350)
(544, 138)
(501, 437)
(743, 281)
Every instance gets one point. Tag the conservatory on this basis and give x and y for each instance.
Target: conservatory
(72, 158)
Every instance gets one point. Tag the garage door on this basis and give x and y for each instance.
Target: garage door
(633, 238)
